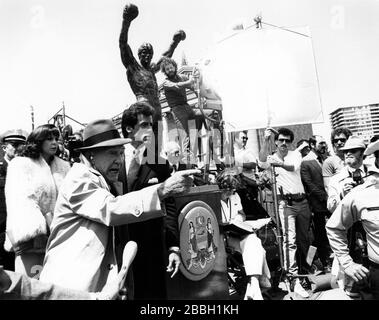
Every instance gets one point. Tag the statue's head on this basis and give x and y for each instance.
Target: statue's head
(145, 54)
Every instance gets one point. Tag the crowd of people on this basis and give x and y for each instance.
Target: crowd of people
(67, 216)
(316, 191)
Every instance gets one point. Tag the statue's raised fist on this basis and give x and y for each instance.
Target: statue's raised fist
(130, 12)
(179, 36)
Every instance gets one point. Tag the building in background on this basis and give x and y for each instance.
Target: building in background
(361, 120)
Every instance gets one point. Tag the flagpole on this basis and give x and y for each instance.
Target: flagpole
(32, 116)
(279, 233)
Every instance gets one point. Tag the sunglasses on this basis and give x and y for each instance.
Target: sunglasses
(284, 140)
(245, 138)
(16, 144)
(352, 150)
(339, 139)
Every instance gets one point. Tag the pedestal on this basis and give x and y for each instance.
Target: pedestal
(203, 274)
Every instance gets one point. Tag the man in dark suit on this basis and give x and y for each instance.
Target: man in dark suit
(155, 235)
(311, 176)
(12, 141)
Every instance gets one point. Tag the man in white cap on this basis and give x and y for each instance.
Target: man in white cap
(80, 252)
(351, 174)
(12, 141)
(361, 204)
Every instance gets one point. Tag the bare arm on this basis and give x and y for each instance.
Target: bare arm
(178, 36)
(129, 14)
(288, 167)
(264, 152)
(167, 84)
(326, 183)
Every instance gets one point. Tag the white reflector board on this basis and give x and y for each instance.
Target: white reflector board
(264, 76)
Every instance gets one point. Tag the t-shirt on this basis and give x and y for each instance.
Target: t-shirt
(290, 181)
(175, 96)
(244, 156)
(331, 166)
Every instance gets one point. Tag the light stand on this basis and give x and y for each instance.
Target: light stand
(279, 233)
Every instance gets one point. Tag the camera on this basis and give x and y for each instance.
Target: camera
(357, 177)
(72, 143)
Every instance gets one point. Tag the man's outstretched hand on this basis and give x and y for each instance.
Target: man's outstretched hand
(173, 263)
(130, 12)
(179, 36)
(180, 182)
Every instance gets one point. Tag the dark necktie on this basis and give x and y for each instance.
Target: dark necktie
(133, 173)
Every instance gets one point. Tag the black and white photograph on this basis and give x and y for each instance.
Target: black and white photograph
(172, 152)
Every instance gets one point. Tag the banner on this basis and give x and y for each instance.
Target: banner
(263, 76)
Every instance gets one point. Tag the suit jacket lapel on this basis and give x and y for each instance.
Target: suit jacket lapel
(142, 178)
(316, 164)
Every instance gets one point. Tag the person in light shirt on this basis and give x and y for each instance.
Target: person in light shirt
(361, 204)
(294, 211)
(249, 245)
(333, 164)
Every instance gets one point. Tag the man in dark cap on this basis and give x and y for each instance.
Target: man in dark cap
(141, 76)
(12, 142)
(80, 252)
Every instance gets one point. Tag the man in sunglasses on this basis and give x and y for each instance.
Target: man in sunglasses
(244, 157)
(333, 164)
(294, 211)
(246, 162)
(13, 141)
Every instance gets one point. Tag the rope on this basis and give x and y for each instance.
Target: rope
(272, 25)
(267, 24)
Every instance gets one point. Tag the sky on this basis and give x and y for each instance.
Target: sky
(55, 51)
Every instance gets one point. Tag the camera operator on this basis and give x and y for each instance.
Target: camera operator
(72, 143)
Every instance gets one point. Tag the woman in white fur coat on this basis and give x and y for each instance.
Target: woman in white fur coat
(31, 191)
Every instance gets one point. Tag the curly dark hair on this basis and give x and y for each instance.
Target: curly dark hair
(166, 61)
(129, 117)
(33, 148)
(229, 179)
(341, 130)
(285, 132)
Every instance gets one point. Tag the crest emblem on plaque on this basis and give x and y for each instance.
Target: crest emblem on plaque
(199, 236)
